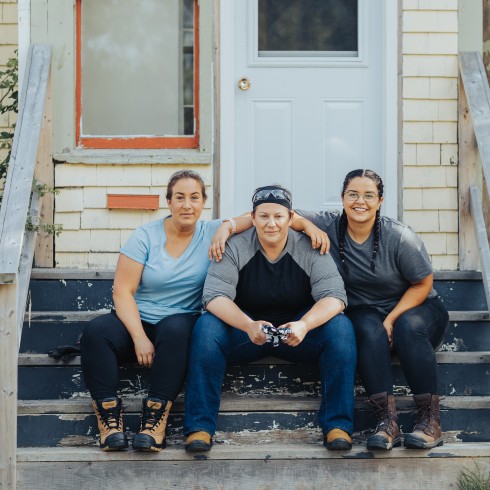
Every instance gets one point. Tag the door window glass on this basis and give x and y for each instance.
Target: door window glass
(308, 27)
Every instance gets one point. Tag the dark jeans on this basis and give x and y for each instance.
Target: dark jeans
(106, 343)
(214, 343)
(417, 334)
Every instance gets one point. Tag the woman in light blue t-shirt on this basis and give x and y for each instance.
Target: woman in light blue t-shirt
(157, 298)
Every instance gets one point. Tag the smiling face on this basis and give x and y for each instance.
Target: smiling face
(186, 203)
(360, 211)
(272, 224)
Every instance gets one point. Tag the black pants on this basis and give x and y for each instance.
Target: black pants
(106, 343)
(417, 334)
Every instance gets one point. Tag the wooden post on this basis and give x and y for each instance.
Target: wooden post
(469, 173)
(8, 383)
(486, 36)
(44, 174)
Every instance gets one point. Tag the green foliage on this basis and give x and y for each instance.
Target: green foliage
(474, 480)
(49, 229)
(43, 189)
(9, 103)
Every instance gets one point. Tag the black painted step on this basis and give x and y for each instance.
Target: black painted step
(40, 377)
(72, 422)
(45, 331)
(89, 291)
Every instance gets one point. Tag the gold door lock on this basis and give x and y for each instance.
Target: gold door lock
(244, 84)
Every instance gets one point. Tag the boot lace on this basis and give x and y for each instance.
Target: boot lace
(111, 417)
(384, 416)
(424, 418)
(152, 417)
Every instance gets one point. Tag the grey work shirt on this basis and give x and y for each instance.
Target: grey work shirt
(401, 260)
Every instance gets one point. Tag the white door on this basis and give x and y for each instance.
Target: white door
(308, 97)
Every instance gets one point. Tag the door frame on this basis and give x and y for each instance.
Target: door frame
(227, 84)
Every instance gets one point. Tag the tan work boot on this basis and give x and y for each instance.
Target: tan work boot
(387, 433)
(427, 432)
(337, 440)
(109, 420)
(151, 436)
(198, 442)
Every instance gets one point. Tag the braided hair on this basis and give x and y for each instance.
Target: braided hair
(370, 174)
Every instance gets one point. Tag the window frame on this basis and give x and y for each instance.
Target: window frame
(133, 142)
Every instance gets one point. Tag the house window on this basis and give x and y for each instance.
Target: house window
(137, 66)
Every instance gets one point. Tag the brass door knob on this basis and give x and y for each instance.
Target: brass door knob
(244, 84)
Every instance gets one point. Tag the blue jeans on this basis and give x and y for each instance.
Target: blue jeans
(214, 343)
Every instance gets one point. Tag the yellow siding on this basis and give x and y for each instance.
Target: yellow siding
(92, 234)
(430, 113)
(8, 44)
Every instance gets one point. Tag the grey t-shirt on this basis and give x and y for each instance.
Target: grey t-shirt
(278, 290)
(401, 260)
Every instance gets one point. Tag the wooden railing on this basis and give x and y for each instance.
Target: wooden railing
(16, 245)
(474, 166)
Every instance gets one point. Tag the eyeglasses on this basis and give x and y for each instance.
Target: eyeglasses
(354, 196)
(276, 193)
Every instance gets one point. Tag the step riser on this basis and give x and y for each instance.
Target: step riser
(66, 382)
(81, 429)
(79, 295)
(265, 474)
(40, 337)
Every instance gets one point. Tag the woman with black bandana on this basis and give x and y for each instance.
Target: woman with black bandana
(388, 278)
(271, 276)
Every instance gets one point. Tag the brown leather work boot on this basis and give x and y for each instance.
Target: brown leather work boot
(427, 432)
(387, 433)
(151, 436)
(109, 420)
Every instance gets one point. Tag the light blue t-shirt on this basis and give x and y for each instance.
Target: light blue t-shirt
(168, 285)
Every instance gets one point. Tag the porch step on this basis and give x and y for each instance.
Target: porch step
(269, 465)
(41, 377)
(90, 291)
(72, 422)
(267, 426)
(468, 330)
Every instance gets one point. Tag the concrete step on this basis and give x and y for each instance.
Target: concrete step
(260, 466)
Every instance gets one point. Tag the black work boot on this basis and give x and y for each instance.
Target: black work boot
(427, 431)
(151, 436)
(109, 421)
(387, 433)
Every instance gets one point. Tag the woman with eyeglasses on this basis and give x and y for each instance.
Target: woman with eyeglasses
(388, 278)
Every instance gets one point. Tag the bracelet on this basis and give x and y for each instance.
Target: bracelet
(232, 223)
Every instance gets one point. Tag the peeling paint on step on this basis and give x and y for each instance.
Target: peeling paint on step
(441, 455)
